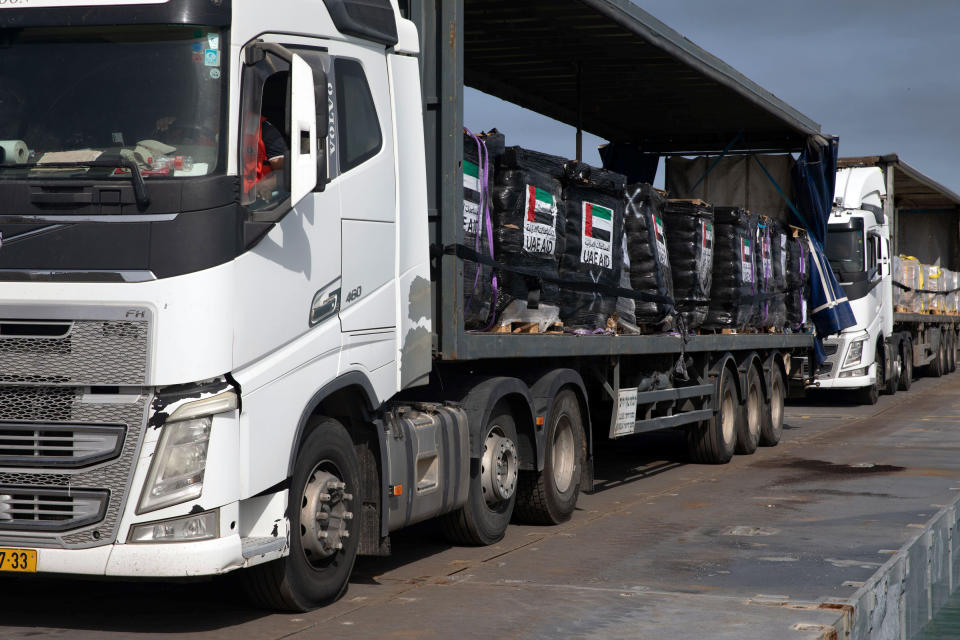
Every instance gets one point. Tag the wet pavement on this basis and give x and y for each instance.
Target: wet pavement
(768, 546)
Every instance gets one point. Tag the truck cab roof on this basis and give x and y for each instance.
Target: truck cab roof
(860, 188)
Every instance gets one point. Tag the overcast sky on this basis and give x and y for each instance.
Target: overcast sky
(883, 75)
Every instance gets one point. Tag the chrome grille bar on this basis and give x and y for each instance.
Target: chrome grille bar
(58, 445)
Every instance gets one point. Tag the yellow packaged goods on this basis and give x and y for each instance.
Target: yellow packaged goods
(908, 274)
(951, 295)
(932, 289)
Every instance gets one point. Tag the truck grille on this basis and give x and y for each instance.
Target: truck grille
(105, 433)
(829, 349)
(58, 445)
(82, 352)
(73, 409)
(37, 509)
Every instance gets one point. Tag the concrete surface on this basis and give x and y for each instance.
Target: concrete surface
(773, 545)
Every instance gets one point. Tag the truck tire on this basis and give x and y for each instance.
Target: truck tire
(869, 395)
(751, 414)
(891, 384)
(906, 365)
(771, 428)
(713, 441)
(550, 496)
(952, 351)
(936, 365)
(484, 518)
(323, 535)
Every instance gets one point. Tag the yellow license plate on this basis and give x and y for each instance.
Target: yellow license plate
(22, 560)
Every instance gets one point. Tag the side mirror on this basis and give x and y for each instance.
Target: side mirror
(303, 161)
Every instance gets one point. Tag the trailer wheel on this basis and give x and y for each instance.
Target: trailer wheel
(713, 441)
(906, 365)
(751, 412)
(550, 496)
(493, 486)
(323, 536)
(952, 350)
(771, 427)
(936, 365)
(891, 384)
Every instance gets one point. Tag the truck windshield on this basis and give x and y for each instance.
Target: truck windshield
(73, 94)
(844, 249)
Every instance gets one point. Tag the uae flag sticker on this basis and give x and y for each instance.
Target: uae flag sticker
(540, 222)
(596, 246)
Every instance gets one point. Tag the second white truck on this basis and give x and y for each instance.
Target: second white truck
(883, 208)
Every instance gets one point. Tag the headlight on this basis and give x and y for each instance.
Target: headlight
(176, 472)
(192, 528)
(854, 353)
(854, 373)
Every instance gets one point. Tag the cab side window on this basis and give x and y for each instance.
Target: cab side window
(360, 137)
(873, 245)
(265, 133)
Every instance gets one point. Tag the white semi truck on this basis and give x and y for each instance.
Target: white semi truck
(883, 207)
(209, 365)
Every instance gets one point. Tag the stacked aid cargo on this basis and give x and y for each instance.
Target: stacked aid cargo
(649, 261)
(797, 280)
(477, 278)
(689, 230)
(733, 292)
(528, 225)
(594, 200)
(770, 307)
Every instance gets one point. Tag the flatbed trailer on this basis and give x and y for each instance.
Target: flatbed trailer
(472, 43)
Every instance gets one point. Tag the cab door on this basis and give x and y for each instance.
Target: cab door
(360, 96)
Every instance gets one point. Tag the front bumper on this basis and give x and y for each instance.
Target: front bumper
(857, 382)
(164, 560)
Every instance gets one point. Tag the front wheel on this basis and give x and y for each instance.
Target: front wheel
(323, 540)
(484, 518)
(550, 496)
(869, 395)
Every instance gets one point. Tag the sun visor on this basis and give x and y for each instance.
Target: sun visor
(372, 20)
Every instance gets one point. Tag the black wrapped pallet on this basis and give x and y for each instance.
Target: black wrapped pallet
(479, 156)
(593, 254)
(797, 281)
(647, 255)
(733, 291)
(778, 302)
(770, 310)
(689, 230)
(528, 224)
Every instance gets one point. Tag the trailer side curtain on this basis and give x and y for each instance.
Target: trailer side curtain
(814, 178)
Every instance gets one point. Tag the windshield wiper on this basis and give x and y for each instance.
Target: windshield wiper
(117, 162)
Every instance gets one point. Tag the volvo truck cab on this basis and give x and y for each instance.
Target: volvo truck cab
(858, 248)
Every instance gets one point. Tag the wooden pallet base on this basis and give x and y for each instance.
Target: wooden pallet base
(526, 327)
